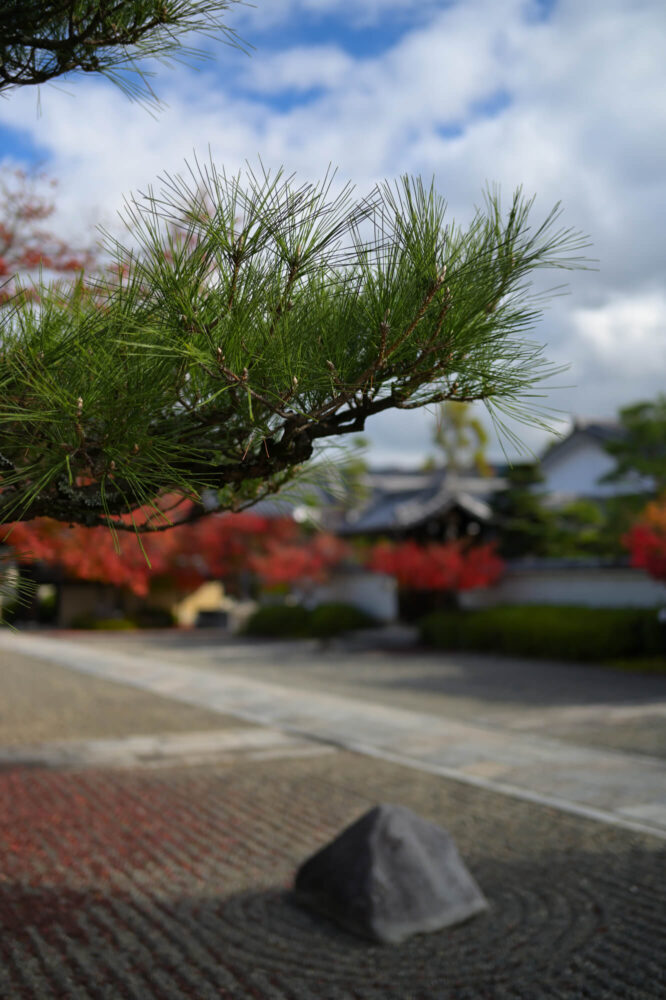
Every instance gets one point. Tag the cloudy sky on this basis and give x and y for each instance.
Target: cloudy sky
(566, 97)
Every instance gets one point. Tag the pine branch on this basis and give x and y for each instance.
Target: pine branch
(250, 319)
(40, 41)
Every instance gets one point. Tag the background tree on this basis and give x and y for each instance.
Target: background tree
(528, 526)
(233, 548)
(429, 577)
(602, 527)
(646, 541)
(452, 566)
(27, 245)
(525, 526)
(640, 456)
(249, 319)
(461, 439)
(298, 559)
(41, 40)
(640, 449)
(582, 528)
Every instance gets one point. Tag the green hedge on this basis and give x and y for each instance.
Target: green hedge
(278, 621)
(567, 633)
(86, 621)
(145, 618)
(329, 620)
(154, 618)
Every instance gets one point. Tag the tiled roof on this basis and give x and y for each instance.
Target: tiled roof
(600, 431)
(402, 501)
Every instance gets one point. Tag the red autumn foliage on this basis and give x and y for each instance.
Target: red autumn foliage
(26, 245)
(217, 547)
(81, 553)
(298, 560)
(646, 541)
(450, 566)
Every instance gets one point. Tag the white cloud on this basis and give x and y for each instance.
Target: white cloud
(299, 69)
(624, 333)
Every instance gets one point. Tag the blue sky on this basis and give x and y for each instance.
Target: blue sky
(564, 97)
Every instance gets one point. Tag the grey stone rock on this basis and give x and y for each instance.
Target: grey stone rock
(390, 875)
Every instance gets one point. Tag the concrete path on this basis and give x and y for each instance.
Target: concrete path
(622, 789)
(587, 705)
(165, 750)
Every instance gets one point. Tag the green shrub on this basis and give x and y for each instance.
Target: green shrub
(329, 620)
(8, 612)
(567, 633)
(47, 609)
(279, 621)
(87, 621)
(154, 618)
(640, 664)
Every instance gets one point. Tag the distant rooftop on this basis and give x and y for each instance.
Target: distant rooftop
(598, 430)
(606, 430)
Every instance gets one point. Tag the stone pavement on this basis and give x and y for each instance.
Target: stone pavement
(130, 869)
(588, 705)
(625, 789)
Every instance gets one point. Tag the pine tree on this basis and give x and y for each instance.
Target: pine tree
(249, 318)
(41, 40)
(246, 318)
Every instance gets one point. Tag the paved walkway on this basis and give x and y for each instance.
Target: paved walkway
(586, 705)
(614, 787)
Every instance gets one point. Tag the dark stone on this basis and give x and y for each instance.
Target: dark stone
(389, 875)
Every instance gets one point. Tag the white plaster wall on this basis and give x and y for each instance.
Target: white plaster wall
(577, 469)
(375, 593)
(596, 588)
(208, 597)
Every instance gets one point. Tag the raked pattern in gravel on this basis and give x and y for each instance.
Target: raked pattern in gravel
(164, 884)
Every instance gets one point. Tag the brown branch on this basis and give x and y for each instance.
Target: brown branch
(384, 351)
(437, 284)
(243, 382)
(291, 445)
(237, 258)
(284, 303)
